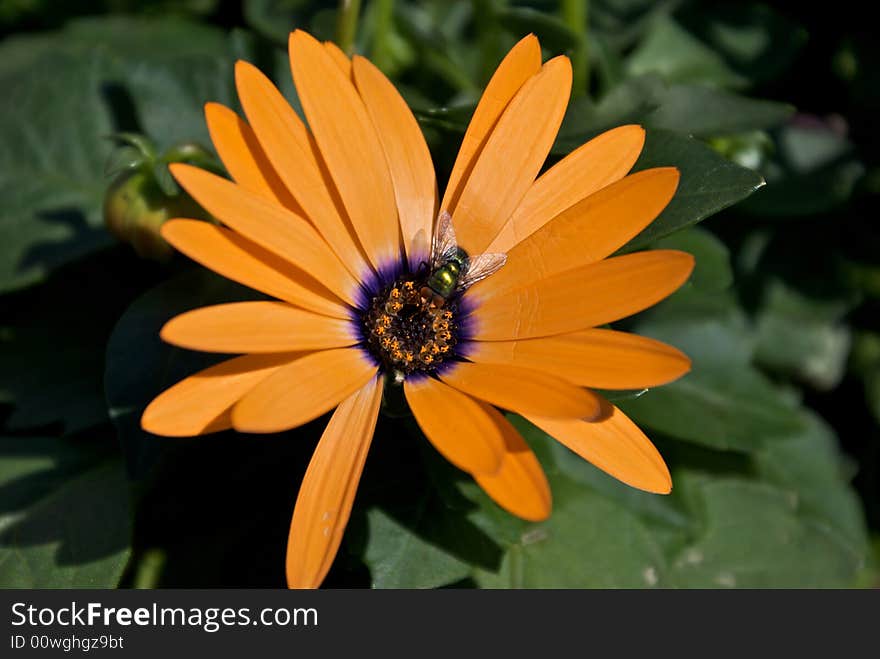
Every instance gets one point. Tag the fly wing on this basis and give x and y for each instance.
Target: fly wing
(481, 266)
(444, 245)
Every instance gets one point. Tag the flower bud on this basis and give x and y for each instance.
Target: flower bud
(144, 195)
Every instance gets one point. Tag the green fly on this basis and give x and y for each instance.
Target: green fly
(452, 269)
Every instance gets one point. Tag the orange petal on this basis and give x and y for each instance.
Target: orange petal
(512, 156)
(599, 358)
(288, 145)
(243, 157)
(199, 403)
(522, 390)
(519, 486)
(406, 153)
(615, 445)
(462, 429)
(591, 229)
(349, 146)
(342, 60)
(589, 168)
(271, 226)
(256, 327)
(236, 258)
(585, 297)
(326, 495)
(521, 63)
(303, 390)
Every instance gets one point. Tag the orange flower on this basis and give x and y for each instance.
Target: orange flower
(337, 221)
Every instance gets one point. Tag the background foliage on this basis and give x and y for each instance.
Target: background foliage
(773, 439)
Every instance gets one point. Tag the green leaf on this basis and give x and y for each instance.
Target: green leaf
(631, 101)
(724, 402)
(146, 39)
(703, 317)
(678, 56)
(623, 22)
(400, 558)
(52, 166)
(553, 33)
(274, 19)
(573, 549)
(445, 58)
(64, 93)
(708, 184)
(712, 272)
(713, 531)
(417, 530)
(815, 170)
(65, 518)
(724, 407)
(872, 391)
(802, 337)
(691, 109)
(702, 111)
(708, 326)
(593, 539)
(811, 465)
(52, 339)
(771, 527)
(801, 297)
(866, 364)
(755, 40)
(753, 535)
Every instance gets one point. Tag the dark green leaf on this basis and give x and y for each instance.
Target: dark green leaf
(573, 550)
(712, 272)
(812, 466)
(802, 337)
(590, 540)
(417, 531)
(725, 407)
(64, 94)
(630, 102)
(65, 518)
(724, 402)
(52, 167)
(815, 170)
(52, 339)
(274, 19)
(139, 366)
(715, 532)
(757, 41)
(866, 364)
(702, 111)
(399, 558)
(753, 535)
(708, 184)
(553, 33)
(145, 39)
(691, 109)
(623, 22)
(708, 326)
(678, 56)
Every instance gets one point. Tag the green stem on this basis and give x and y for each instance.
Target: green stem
(148, 573)
(347, 24)
(486, 19)
(576, 14)
(383, 17)
(515, 560)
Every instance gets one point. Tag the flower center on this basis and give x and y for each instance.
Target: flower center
(408, 328)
